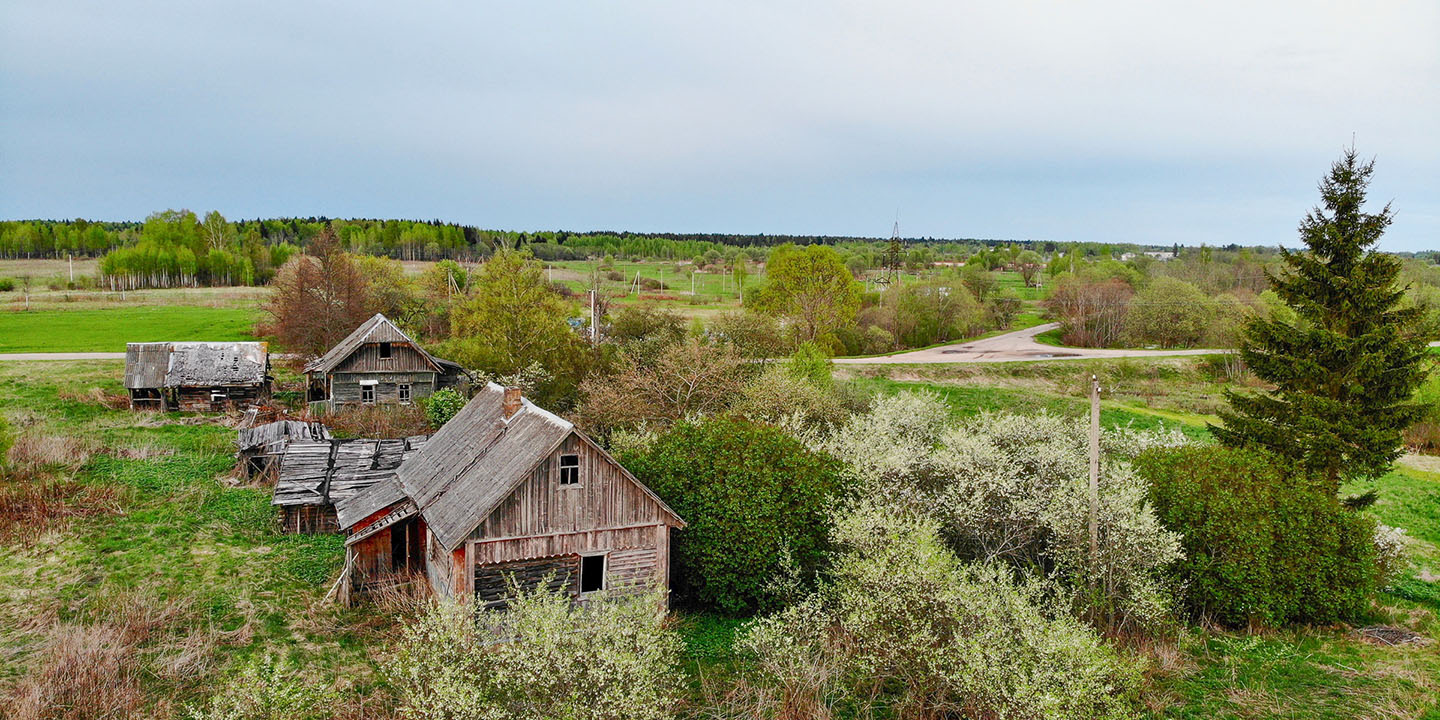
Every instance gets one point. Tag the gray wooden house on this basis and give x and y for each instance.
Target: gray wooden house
(197, 376)
(377, 364)
(315, 474)
(506, 489)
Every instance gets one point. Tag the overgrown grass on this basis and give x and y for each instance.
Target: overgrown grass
(108, 330)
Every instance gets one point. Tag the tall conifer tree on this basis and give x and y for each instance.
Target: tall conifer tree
(1346, 369)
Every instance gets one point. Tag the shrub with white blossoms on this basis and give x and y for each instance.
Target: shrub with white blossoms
(1390, 562)
(544, 657)
(268, 687)
(904, 624)
(1016, 489)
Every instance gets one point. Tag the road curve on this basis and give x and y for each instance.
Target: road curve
(1017, 346)
(4, 357)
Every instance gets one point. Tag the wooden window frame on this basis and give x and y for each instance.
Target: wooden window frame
(367, 389)
(386, 351)
(403, 392)
(562, 467)
(604, 572)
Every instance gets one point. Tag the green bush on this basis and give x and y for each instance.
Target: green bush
(6, 284)
(751, 494)
(442, 405)
(1263, 543)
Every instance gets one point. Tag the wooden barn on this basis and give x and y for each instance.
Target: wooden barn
(375, 365)
(506, 489)
(313, 475)
(197, 376)
(259, 449)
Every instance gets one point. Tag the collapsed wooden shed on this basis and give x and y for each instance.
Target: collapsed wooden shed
(508, 490)
(314, 475)
(260, 448)
(197, 376)
(377, 364)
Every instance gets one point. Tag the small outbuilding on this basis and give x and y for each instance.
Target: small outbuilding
(508, 490)
(260, 449)
(377, 364)
(198, 376)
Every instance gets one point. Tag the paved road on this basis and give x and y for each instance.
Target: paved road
(62, 356)
(1011, 347)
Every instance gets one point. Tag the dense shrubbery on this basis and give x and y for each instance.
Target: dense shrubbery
(543, 657)
(1014, 489)
(904, 625)
(442, 405)
(1263, 543)
(752, 496)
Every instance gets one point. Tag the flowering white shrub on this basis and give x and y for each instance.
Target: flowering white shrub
(543, 657)
(1016, 489)
(906, 625)
(1390, 562)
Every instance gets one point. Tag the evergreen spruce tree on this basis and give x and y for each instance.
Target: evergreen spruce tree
(1346, 369)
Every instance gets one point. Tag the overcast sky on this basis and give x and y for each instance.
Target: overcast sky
(1105, 121)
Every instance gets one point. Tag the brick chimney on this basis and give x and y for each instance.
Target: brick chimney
(512, 401)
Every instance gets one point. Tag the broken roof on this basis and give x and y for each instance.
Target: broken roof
(375, 330)
(196, 364)
(321, 472)
(470, 466)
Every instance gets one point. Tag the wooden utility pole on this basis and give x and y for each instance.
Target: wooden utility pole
(1094, 471)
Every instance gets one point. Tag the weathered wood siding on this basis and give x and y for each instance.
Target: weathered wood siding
(308, 519)
(604, 499)
(202, 399)
(437, 568)
(403, 357)
(345, 387)
(557, 574)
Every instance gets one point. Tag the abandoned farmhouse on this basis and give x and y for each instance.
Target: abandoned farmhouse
(504, 489)
(197, 376)
(377, 363)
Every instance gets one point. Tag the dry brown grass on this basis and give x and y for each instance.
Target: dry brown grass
(84, 672)
(379, 421)
(33, 504)
(1423, 437)
(34, 452)
(114, 401)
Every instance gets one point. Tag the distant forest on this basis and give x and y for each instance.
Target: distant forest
(179, 247)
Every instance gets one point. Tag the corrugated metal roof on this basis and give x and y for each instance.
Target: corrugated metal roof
(196, 364)
(376, 329)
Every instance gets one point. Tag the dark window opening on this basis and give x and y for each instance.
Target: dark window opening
(385, 351)
(569, 469)
(404, 393)
(367, 394)
(592, 573)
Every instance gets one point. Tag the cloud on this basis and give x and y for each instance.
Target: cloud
(1137, 122)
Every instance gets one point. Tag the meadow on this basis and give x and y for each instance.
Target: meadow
(147, 535)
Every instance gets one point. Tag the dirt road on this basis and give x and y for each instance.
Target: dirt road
(1011, 347)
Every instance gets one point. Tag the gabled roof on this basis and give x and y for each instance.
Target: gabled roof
(195, 364)
(471, 465)
(376, 329)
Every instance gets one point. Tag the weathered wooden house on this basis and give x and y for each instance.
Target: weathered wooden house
(315, 474)
(259, 449)
(197, 376)
(377, 364)
(506, 489)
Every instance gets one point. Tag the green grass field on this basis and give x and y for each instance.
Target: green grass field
(180, 534)
(108, 330)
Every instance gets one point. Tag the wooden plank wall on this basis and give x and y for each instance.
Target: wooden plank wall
(345, 388)
(557, 574)
(308, 519)
(403, 358)
(604, 499)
